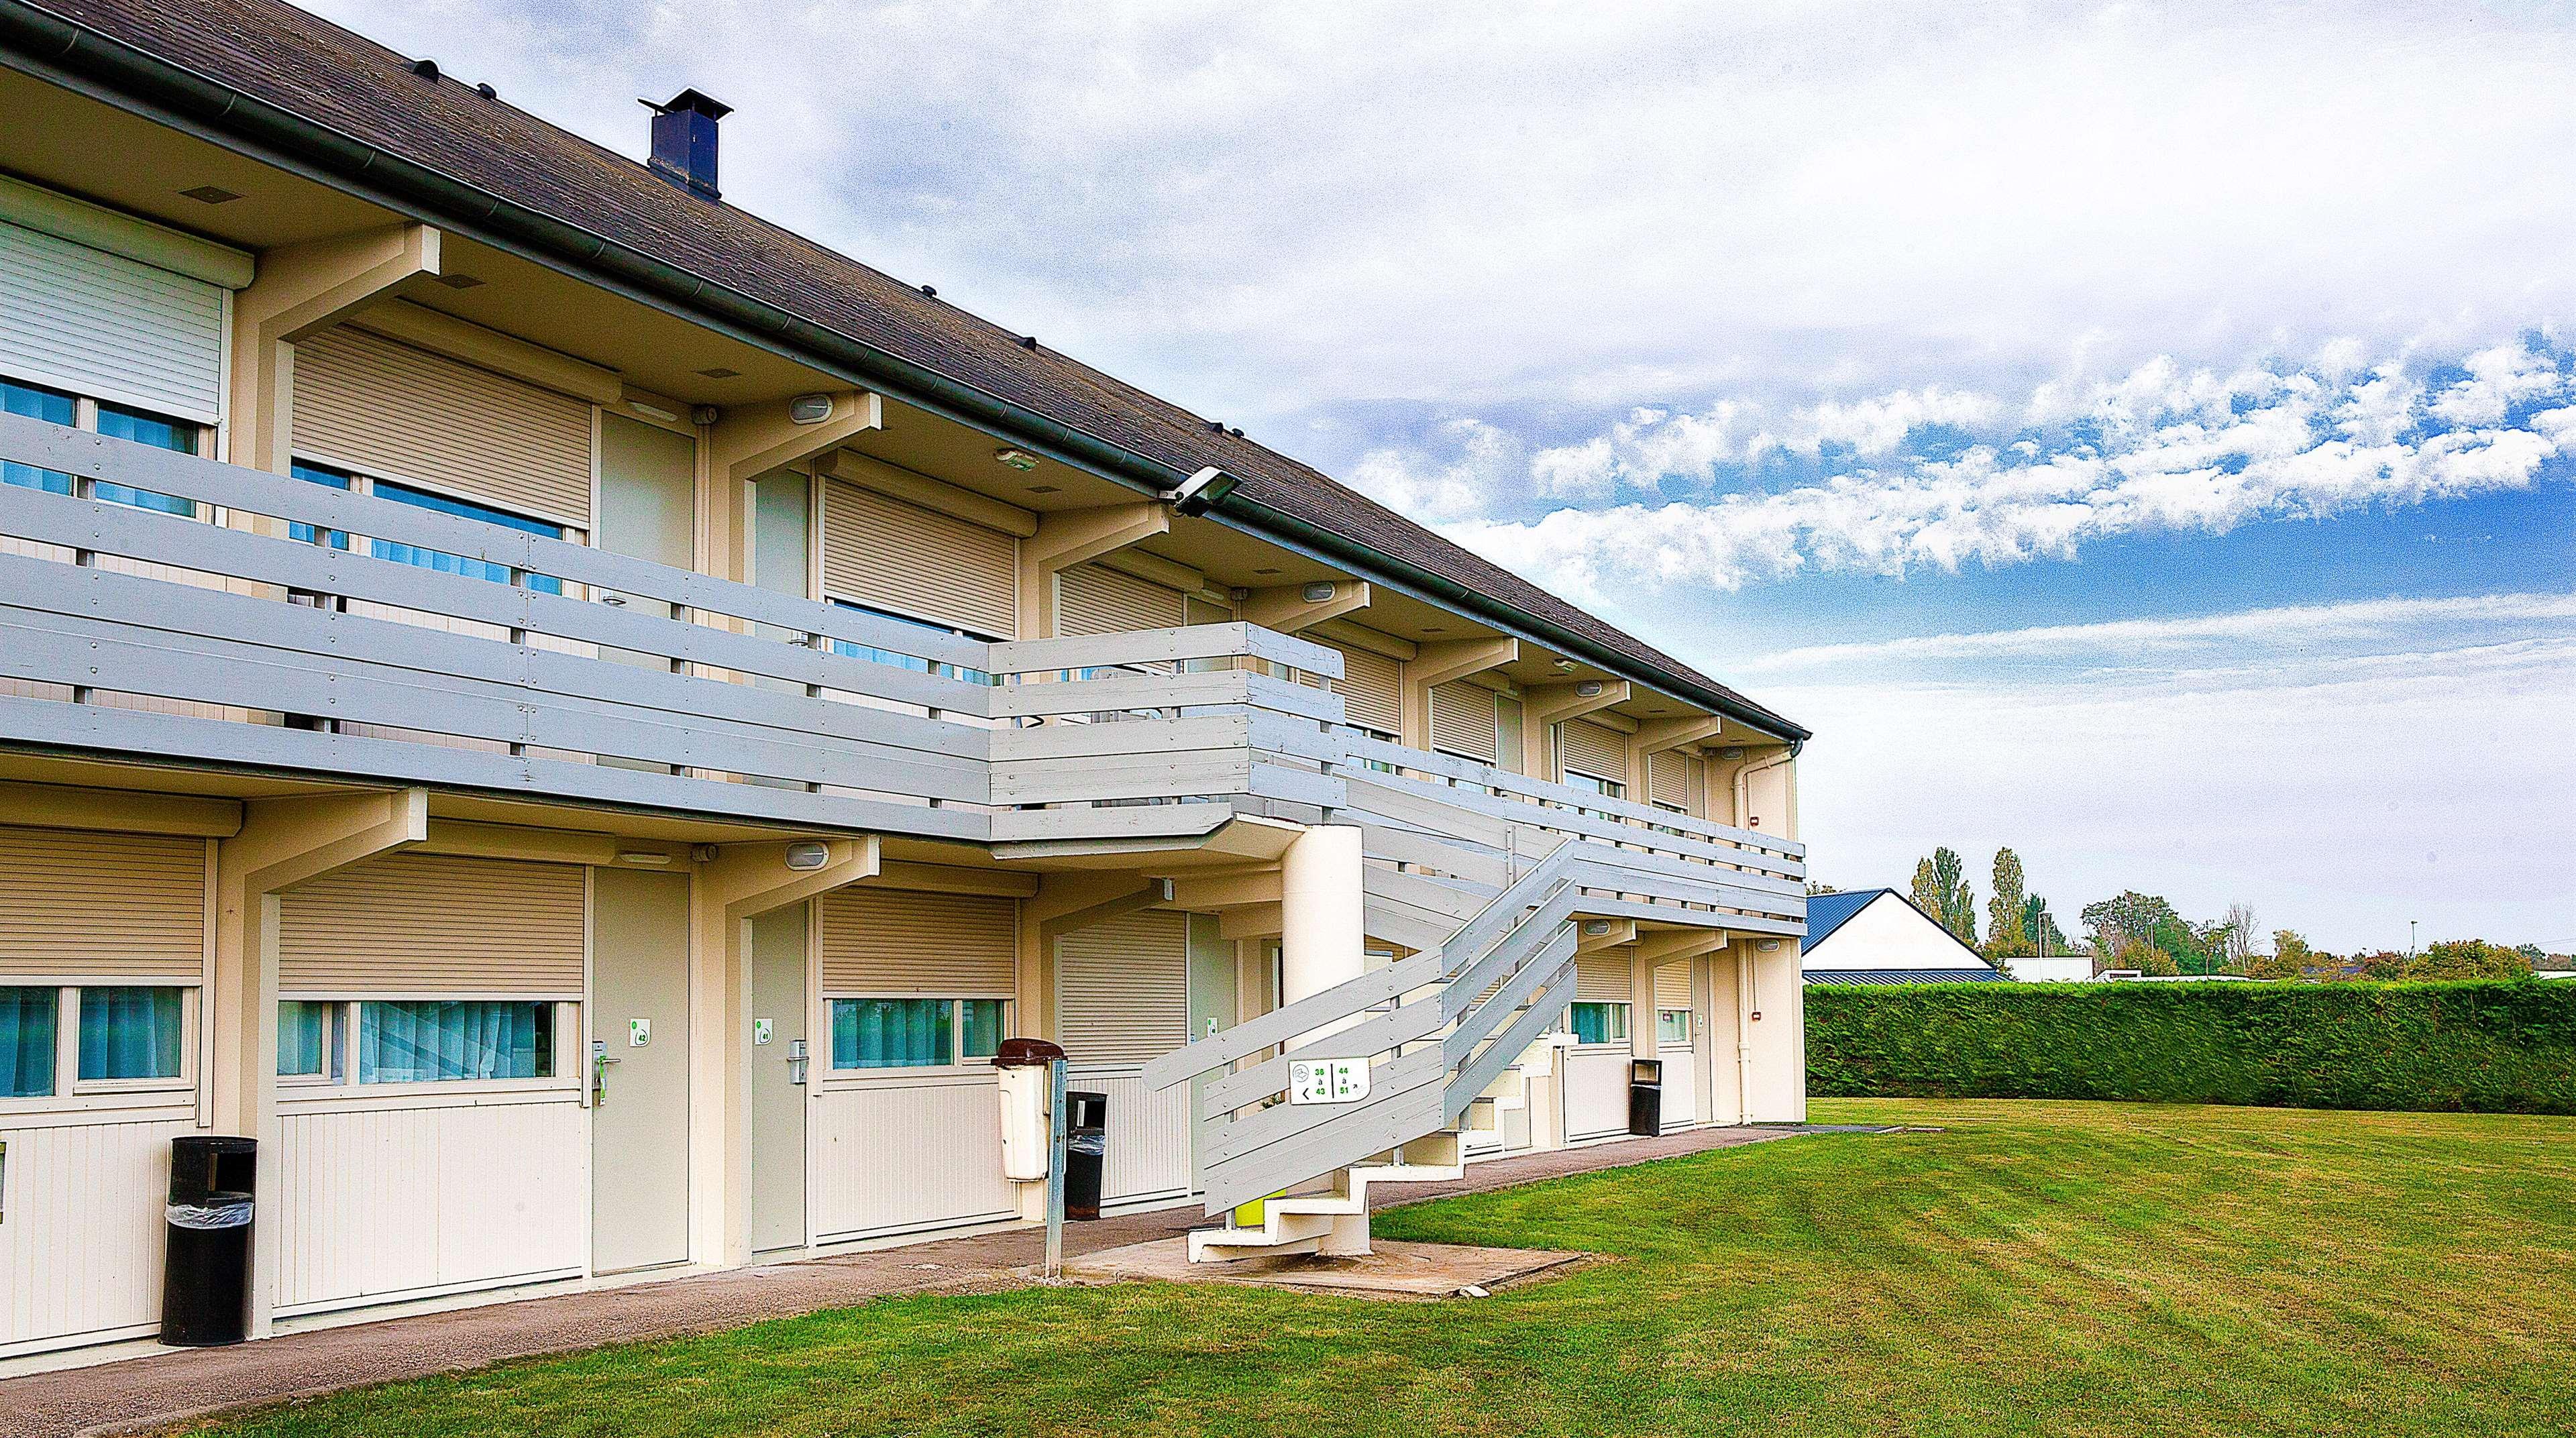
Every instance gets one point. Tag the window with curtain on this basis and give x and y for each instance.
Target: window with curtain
(170, 434)
(1600, 1023)
(308, 1039)
(915, 1033)
(435, 1041)
(51, 406)
(131, 1032)
(27, 1017)
(1673, 1026)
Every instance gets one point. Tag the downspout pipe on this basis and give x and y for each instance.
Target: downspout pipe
(1744, 778)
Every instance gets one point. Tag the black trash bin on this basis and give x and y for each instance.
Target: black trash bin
(205, 1275)
(1645, 1097)
(1086, 1144)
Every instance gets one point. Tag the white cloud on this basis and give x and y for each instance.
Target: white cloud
(2299, 624)
(2161, 449)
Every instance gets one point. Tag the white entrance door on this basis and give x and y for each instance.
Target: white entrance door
(639, 1070)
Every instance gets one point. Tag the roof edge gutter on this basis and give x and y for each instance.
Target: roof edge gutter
(65, 52)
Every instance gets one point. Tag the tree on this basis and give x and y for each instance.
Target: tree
(2291, 958)
(2129, 915)
(2040, 926)
(2450, 959)
(1814, 888)
(2239, 924)
(2007, 936)
(1941, 890)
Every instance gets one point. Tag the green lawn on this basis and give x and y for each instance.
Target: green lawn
(2037, 1268)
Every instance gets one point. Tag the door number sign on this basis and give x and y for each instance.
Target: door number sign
(1327, 1080)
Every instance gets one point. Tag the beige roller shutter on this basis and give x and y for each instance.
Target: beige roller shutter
(75, 904)
(895, 941)
(1122, 989)
(1094, 599)
(1462, 720)
(1672, 985)
(1596, 749)
(900, 557)
(1372, 688)
(1668, 778)
(1602, 977)
(435, 924)
(402, 413)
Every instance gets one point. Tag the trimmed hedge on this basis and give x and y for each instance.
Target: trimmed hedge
(2479, 1047)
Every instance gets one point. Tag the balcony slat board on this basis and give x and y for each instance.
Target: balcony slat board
(1142, 776)
(1161, 646)
(75, 452)
(55, 724)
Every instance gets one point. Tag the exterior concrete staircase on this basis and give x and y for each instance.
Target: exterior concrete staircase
(1435, 1030)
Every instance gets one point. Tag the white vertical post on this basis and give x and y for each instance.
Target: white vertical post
(1321, 941)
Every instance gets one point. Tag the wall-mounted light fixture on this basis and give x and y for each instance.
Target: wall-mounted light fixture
(1319, 592)
(809, 409)
(1595, 928)
(808, 854)
(1589, 688)
(653, 857)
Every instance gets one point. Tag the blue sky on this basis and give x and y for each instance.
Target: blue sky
(2145, 436)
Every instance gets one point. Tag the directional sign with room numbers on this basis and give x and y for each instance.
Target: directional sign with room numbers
(1327, 1080)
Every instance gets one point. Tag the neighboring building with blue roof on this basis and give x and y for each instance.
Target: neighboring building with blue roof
(1878, 936)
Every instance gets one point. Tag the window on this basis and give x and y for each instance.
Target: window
(50, 406)
(27, 1039)
(912, 662)
(1672, 1026)
(116, 422)
(131, 1033)
(159, 433)
(1594, 784)
(315, 474)
(455, 563)
(309, 1040)
(1600, 1023)
(443, 1041)
(915, 1033)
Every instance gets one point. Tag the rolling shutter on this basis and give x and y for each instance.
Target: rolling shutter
(402, 413)
(1669, 778)
(1372, 688)
(436, 924)
(900, 557)
(1596, 749)
(1094, 599)
(1602, 977)
(1122, 992)
(82, 319)
(895, 941)
(75, 904)
(1673, 985)
(1462, 720)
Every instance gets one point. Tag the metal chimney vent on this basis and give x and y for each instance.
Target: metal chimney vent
(684, 140)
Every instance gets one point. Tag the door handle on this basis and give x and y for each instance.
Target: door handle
(599, 1062)
(796, 1059)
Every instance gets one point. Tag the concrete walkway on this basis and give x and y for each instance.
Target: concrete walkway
(171, 1385)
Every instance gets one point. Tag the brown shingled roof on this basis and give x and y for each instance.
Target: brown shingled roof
(329, 77)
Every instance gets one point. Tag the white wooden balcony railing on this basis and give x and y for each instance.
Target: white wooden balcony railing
(269, 633)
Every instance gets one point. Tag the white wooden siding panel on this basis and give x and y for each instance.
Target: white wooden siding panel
(1596, 1092)
(403, 413)
(896, 1156)
(80, 1252)
(1148, 1143)
(377, 1202)
(101, 324)
(76, 904)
